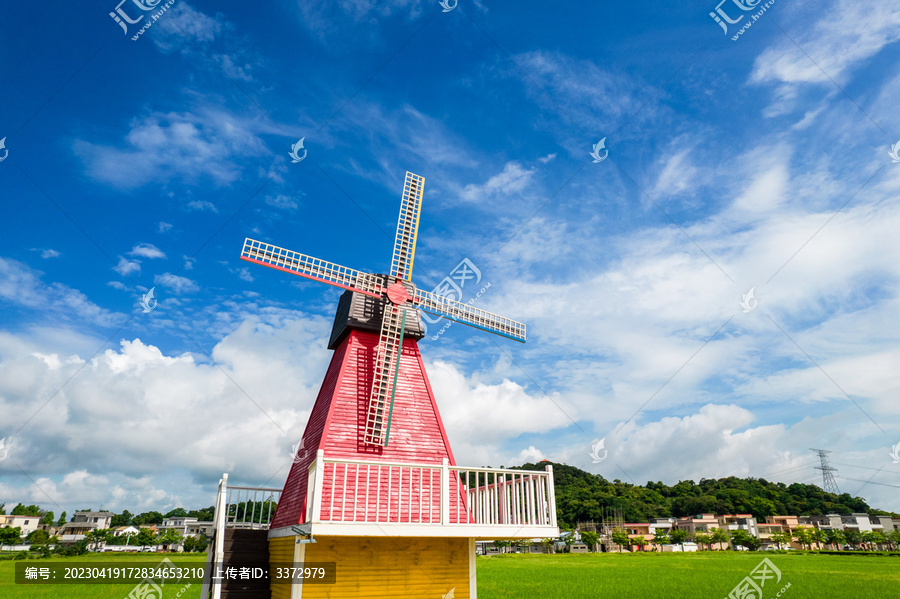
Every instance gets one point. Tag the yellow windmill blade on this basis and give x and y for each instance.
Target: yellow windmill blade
(407, 227)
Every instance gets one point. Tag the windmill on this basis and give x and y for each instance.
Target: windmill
(399, 297)
(373, 486)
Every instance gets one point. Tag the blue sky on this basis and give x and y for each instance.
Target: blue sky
(761, 162)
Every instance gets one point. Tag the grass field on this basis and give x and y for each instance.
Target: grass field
(707, 575)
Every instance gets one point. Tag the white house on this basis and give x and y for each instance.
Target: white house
(26, 523)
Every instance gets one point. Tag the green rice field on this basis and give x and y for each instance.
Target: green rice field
(707, 575)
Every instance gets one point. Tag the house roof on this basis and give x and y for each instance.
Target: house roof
(95, 514)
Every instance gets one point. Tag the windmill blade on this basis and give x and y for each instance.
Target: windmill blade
(407, 227)
(311, 268)
(468, 315)
(384, 382)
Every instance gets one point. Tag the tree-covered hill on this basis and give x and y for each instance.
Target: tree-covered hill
(582, 496)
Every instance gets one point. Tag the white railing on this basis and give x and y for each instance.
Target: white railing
(353, 491)
(250, 507)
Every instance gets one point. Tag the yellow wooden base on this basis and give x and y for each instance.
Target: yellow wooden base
(387, 568)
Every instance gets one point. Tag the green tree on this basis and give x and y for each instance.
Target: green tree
(720, 535)
(660, 538)
(25, 510)
(702, 538)
(123, 519)
(145, 537)
(894, 538)
(678, 536)
(62, 519)
(547, 542)
(47, 519)
(591, 539)
(204, 515)
(10, 535)
(170, 537)
(818, 535)
(878, 539)
(804, 536)
(96, 537)
(852, 537)
(38, 537)
(779, 538)
(178, 512)
(742, 538)
(866, 538)
(620, 538)
(502, 544)
(639, 541)
(147, 518)
(834, 537)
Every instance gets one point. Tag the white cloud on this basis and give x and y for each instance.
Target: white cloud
(22, 286)
(176, 283)
(127, 267)
(146, 250)
(207, 144)
(281, 201)
(47, 253)
(135, 393)
(511, 180)
(847, 34)
(202, 205)
(183, 25)
(164, 227)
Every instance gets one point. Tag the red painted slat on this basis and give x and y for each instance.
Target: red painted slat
(417, 435)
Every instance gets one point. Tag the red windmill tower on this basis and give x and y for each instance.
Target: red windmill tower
(374, 481)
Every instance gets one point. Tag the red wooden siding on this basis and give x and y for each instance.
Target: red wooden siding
(417, 435)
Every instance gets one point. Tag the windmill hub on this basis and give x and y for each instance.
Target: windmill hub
(397, 293)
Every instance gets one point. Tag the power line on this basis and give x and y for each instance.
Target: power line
(871, 482)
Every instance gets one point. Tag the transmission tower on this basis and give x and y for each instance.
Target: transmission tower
(828, 484)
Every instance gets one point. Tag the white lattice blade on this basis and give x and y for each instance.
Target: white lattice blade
(386, 360)
(407, 227)
(469, 315)
(309, 267)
